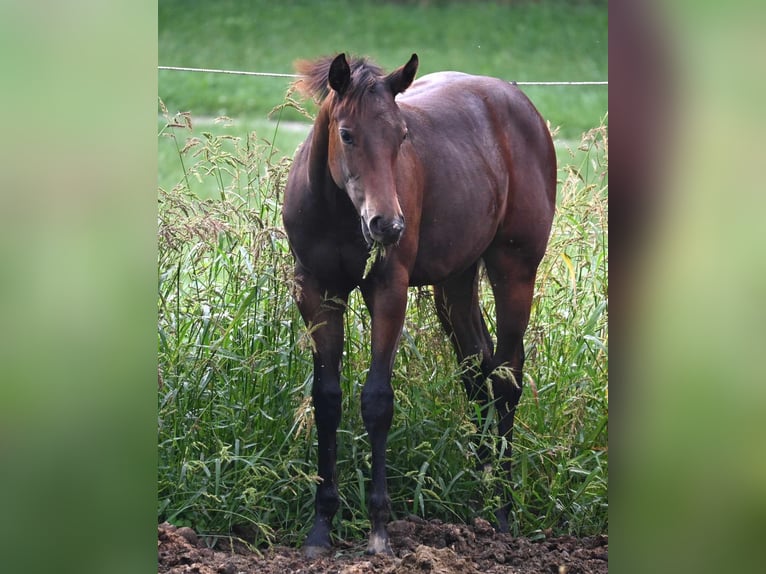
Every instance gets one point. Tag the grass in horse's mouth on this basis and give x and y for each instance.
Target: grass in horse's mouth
(377, 251)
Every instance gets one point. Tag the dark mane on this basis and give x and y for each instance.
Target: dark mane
(313, 82)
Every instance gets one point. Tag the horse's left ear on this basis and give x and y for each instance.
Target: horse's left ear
(339, 75)
(400, 79)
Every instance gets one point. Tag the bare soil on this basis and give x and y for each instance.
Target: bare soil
(419, 546)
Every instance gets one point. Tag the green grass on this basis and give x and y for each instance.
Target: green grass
(236, 442)
(522, 41)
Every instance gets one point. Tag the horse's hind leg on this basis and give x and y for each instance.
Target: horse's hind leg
(511, 273)
(457, 306)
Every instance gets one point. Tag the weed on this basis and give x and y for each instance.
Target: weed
(236, 442)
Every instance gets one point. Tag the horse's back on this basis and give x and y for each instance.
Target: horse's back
(489, 163)
(470, 107)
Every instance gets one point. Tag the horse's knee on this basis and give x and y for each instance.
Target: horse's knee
(327, 401)
(328, 395)
(381, 394)
(377, 405)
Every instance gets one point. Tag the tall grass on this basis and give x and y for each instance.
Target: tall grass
(235, 426)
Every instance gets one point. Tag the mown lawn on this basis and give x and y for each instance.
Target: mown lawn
(521, 41)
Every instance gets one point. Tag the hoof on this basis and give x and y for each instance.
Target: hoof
(379, 545)
(312, 552)
(318, 542)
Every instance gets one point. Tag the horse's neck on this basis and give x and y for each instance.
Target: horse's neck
(321, 181)
(318, 170)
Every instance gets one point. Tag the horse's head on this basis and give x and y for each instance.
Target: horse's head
(366, 132)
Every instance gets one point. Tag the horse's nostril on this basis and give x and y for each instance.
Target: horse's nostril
(375, 224)
(386, 231)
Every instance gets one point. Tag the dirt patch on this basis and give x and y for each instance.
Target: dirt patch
(420, 547)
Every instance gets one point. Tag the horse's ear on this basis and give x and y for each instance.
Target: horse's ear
(339, 76)
(400, 79)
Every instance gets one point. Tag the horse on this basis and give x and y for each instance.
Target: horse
(413, 183)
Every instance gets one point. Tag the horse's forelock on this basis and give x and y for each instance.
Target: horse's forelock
(313, 80)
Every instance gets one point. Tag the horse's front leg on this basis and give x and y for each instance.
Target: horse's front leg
(387, 303)
(323, 314)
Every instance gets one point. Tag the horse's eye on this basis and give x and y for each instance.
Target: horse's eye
(406, 134)
(345, 137)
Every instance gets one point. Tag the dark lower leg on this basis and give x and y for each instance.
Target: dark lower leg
(457, 306)
(512, 277)
(377, 413)
(324, 317)
(475, 377)
(327, 410)
(507, 387)
(387, 304)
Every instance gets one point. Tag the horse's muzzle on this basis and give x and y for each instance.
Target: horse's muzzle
(385, 231)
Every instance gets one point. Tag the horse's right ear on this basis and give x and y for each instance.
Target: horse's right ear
(339, 76)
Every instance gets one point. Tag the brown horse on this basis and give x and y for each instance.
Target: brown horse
(459, 169)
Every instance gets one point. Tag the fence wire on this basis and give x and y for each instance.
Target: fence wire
(277, 75)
